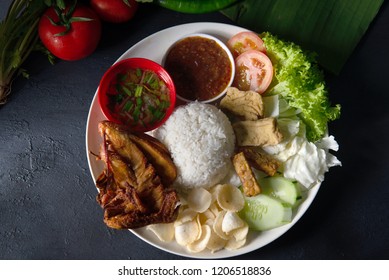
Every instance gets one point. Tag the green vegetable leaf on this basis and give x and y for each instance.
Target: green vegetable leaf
(118, 98)
(138, 91)
(61, 4)
(125, 90)
(16, 60)
(24, 73)
(18, 37)
(128, 106)
(298, 79)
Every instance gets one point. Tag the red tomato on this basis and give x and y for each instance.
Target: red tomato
(80, 41)
(253, 71)
(245, 41)
(115, 11)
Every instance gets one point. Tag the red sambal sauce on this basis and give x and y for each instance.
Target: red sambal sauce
(199, 67)
(138, 98)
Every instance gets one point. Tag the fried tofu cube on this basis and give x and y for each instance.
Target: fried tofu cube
(262, 132)
(248, 105)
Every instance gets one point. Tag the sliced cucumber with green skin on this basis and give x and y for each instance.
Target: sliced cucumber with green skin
(282, 189)
(262, 212)
(195, 6)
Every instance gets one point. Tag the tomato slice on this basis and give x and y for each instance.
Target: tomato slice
(245, 41)
(253, 71)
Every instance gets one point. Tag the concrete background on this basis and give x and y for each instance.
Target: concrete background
(47, 196)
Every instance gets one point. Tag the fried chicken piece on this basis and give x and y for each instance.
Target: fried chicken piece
(246, 175)
(260, 160)
(158, 156)
(130, 190)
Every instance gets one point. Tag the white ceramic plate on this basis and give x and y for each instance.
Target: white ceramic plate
(154, 47)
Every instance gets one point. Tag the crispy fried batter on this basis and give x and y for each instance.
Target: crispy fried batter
(246, 175)
(130, 190)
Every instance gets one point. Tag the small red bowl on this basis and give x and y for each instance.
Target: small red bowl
(124, 66)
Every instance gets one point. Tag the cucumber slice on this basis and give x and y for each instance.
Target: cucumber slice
(262, 212)
(282, 189)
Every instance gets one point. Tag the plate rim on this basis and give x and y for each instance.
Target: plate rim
(139, 233)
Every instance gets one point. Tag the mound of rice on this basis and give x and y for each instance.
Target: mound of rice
(201, 140)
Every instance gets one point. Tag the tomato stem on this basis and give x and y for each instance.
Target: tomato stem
(127, 3)
(65, 16)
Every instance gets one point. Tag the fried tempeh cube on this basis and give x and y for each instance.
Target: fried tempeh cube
(246, 175)
(260, 160)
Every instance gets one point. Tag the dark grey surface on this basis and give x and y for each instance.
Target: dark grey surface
(47, 196)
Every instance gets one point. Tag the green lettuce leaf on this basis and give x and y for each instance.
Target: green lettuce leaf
(299, 80)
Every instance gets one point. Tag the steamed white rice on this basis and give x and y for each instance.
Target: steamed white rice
(201, 140)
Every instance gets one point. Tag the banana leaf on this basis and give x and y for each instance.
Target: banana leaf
(330, 28)
(193, 6)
